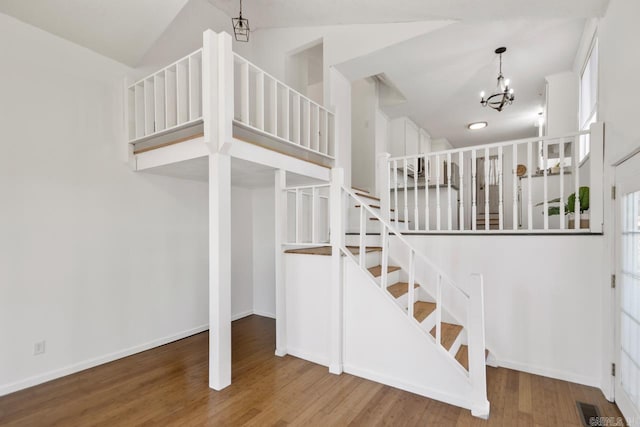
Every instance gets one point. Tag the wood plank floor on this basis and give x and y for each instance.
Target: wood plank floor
(168, 386)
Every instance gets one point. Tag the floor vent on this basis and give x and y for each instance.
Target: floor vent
(589, 414)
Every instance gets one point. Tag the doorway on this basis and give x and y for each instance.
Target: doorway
(627, 298)
(305, 71)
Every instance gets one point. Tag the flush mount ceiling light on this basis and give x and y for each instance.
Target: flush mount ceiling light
(241, 27)
(477, 125)
(504, 95)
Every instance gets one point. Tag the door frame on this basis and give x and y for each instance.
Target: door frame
(627, 180)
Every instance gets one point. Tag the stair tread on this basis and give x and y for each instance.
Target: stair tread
(319, 250)
(375, 207)
(390, 219)
(377, 270)
(360, 190)
(449, 333)
(368, 196)
(356, 249)
(462, 356)
(422, 310)
(399, 289)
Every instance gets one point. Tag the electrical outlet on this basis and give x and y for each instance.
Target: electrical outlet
(38, 348)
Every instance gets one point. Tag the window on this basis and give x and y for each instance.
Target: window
(588, 108)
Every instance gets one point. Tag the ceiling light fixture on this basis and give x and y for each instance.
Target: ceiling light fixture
(241, 27)
(477, 125)
(504, 95)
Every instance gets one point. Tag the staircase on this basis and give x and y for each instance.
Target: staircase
(453, 334)
(367, 244)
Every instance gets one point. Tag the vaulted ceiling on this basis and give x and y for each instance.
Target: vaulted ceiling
(120, 29)
(442, 73)
(298, 13)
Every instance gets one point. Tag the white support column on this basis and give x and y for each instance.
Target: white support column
(337, 241)
(280, 237)
(219, 271)
(596, 176)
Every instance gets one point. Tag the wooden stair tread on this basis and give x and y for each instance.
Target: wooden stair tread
(462, 356)
(399, 289)
(356, 249)
(390, 219)
(359, 190)
(375, 207)
(320, 250)
(377, 270)
(368, 196)
(449, 334)
(422, 310)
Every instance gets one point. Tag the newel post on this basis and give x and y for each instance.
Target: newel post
(217, 89)
(336, 231)
(596, 174)
(476, 340)
(382, 184)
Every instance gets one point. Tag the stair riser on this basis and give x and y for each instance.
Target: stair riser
(370, 240)
(420, 295)
(393, 277)
(461, 339)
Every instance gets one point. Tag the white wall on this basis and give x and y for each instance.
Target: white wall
(562, 103)
(264, 285)
(363, 133)
(440, 144)
(542, 298)
(95, 259)
(242, 247)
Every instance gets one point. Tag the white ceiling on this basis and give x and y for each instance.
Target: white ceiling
(298, 13)
(243, 173)
(120, 29)
(442, 74)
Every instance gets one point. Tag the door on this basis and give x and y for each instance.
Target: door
(627, 346)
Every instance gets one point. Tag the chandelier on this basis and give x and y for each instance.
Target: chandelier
(504, 95)
(241, 27)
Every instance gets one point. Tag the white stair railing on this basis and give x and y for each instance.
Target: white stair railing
(473, 298)
(308, 211)
(267, 105)
(479, 188)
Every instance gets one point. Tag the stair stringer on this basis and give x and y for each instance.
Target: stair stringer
(382, 344)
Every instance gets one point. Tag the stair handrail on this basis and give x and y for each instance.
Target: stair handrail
(398, 234)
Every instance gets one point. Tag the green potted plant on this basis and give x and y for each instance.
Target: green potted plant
(570, 207)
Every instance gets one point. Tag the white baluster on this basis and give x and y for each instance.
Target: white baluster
(298, 208)
(384, 282)
(427, 180)
(515, 219)
(500, 190)
(562, 223)
(286, 114)
(363, 235)
(576, 177)
(395, 189)
(449, 207)
(438, 174)
(260, 100)
(545, 184)
(297, 124)
(530, 186)
(487, 162)
(244, 92)
(461, 189)
(412, 281)
(314, 217)
(274, 107)
(416, 213)
(474, 191)
(406, 194)
(439, 310)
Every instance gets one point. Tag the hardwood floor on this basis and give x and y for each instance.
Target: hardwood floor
(168, 386)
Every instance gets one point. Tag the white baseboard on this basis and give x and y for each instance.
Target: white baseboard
(413, 388)
(317, 359)
(100, 360)
(241, 315)
(264, 314)
(551, 373)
